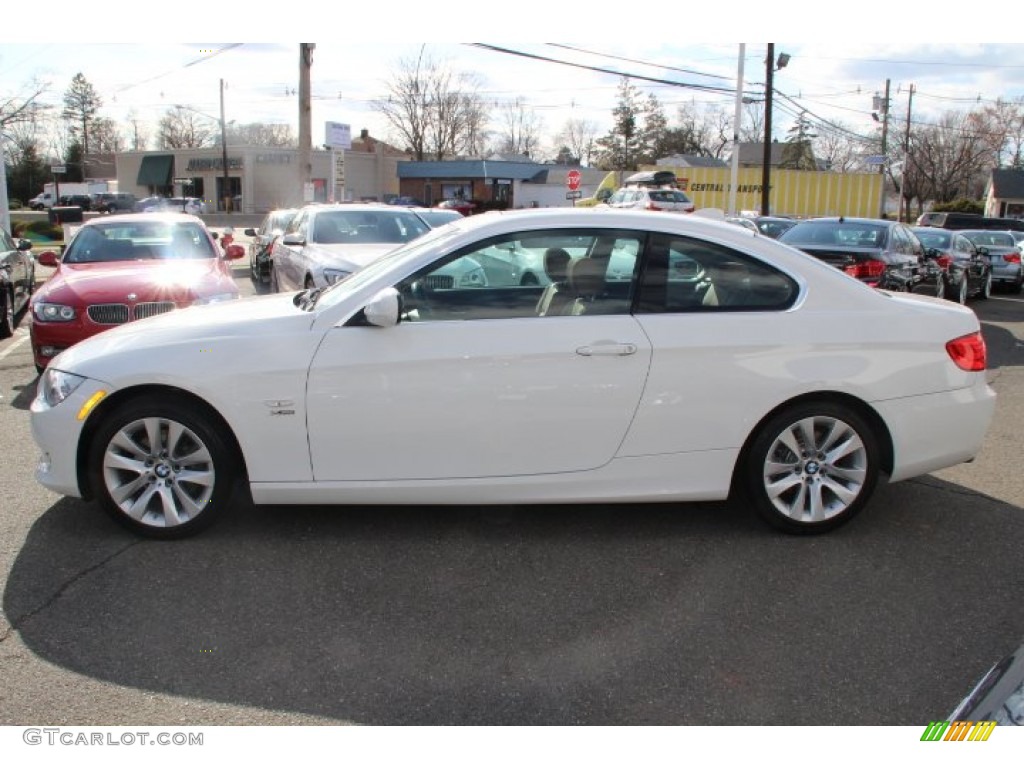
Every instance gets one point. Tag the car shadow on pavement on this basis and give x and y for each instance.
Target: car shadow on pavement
(1003, 347)
(591, 614)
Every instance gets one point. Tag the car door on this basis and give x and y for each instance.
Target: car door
(288, 258)
(14, 264)
(499, 392)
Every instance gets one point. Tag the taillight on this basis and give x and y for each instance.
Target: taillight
(968, 352)
(1012, 258)
(866, 269)
(653, 207)
(944, 261)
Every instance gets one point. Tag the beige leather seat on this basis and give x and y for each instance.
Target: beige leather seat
(586, 283)
(555, 296)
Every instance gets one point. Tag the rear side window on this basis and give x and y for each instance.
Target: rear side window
(684, 274)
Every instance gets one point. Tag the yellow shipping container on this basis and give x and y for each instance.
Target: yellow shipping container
(793, 193)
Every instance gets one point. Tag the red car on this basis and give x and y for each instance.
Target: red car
(462, 206)
(117, 269)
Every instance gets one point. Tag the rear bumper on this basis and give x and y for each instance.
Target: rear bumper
(939, 430)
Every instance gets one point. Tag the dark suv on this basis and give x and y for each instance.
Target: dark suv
(82, 201)
(111, 202)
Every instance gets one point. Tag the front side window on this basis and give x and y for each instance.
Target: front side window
(683, 274)
(534, 274)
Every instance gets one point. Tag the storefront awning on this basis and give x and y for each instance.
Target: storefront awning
(156, 170)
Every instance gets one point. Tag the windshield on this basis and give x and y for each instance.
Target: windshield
(331, 295)
(142, 240)
(340, 227)
(933, 239)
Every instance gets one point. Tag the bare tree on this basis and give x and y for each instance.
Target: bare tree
(949, 159)
(138, 135)
(182, 127)
(262, 135)
(106, 136)
(752, 124)
(23, 108)
(838, 150)
(579, 136)
(520, 128)
(1001, 126)
(432, 111)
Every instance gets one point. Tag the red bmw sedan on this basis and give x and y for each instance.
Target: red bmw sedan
(123, 268)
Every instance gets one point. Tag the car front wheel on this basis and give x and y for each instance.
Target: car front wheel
(161, 469)
(6, 314)
(811, 467)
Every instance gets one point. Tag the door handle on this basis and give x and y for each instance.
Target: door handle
(614, 350)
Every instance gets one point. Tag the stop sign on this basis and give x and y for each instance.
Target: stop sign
(572, 180)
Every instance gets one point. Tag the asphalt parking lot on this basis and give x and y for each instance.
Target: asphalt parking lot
(664, 614)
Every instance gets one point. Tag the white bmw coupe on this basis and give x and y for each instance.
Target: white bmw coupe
(664, 358)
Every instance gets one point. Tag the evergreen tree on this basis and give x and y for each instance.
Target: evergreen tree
(621, 147)
(81, 104)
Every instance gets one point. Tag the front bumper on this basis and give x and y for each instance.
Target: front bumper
(57, 431)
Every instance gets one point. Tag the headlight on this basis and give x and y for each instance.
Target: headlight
(55, 386)
(475, 278)
(215, 298)
(332, 276)
(54, 313)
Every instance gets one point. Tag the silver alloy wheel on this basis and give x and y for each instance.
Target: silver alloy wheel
(815, 469)
(158, 472)
(962, 292)
(986, 292)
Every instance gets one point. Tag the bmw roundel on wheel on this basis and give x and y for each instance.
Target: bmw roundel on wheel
(657, 358)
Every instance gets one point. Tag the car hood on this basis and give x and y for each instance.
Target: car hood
(349, 256)
(180, 281)
(252, 318)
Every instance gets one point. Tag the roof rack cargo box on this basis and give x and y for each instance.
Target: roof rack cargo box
(651, 179)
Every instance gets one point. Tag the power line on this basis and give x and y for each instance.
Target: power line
(695, 86)
(192, 63)
(638, 61)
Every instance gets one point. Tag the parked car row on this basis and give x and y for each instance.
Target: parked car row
(887, 254)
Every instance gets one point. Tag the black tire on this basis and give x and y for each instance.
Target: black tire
(7, 321)
(160, 468)
(274, 285)
(986, 288)
(529, 279)
(309, 284)
(823, 487)
(961, 290)
(1018, 286)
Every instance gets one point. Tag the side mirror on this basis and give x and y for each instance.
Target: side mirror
(982, 250)
(48, 259)
(603, 194)
(24, 245)
(249, 232)
(383, 309)
(292, 238)
(233, 252)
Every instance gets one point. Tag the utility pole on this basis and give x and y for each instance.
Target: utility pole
(305, 122)
(735, 172)
(766, 173)
(884, 109)
(906, 155)
(226, 181)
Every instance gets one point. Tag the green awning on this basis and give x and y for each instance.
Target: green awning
(156, 171)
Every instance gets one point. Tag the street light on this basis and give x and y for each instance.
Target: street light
(771, 64)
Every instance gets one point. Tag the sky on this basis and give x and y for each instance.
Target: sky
(833, 79)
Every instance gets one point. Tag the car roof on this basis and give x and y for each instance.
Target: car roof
(168, 217)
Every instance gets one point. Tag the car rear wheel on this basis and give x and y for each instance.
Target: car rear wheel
(961, 290)
(160, 469)
(811, 467)
(986, 288)
(6, 314)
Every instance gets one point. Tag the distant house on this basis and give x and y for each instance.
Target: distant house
(1004, 194)
(691, 161)
(797, 155)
